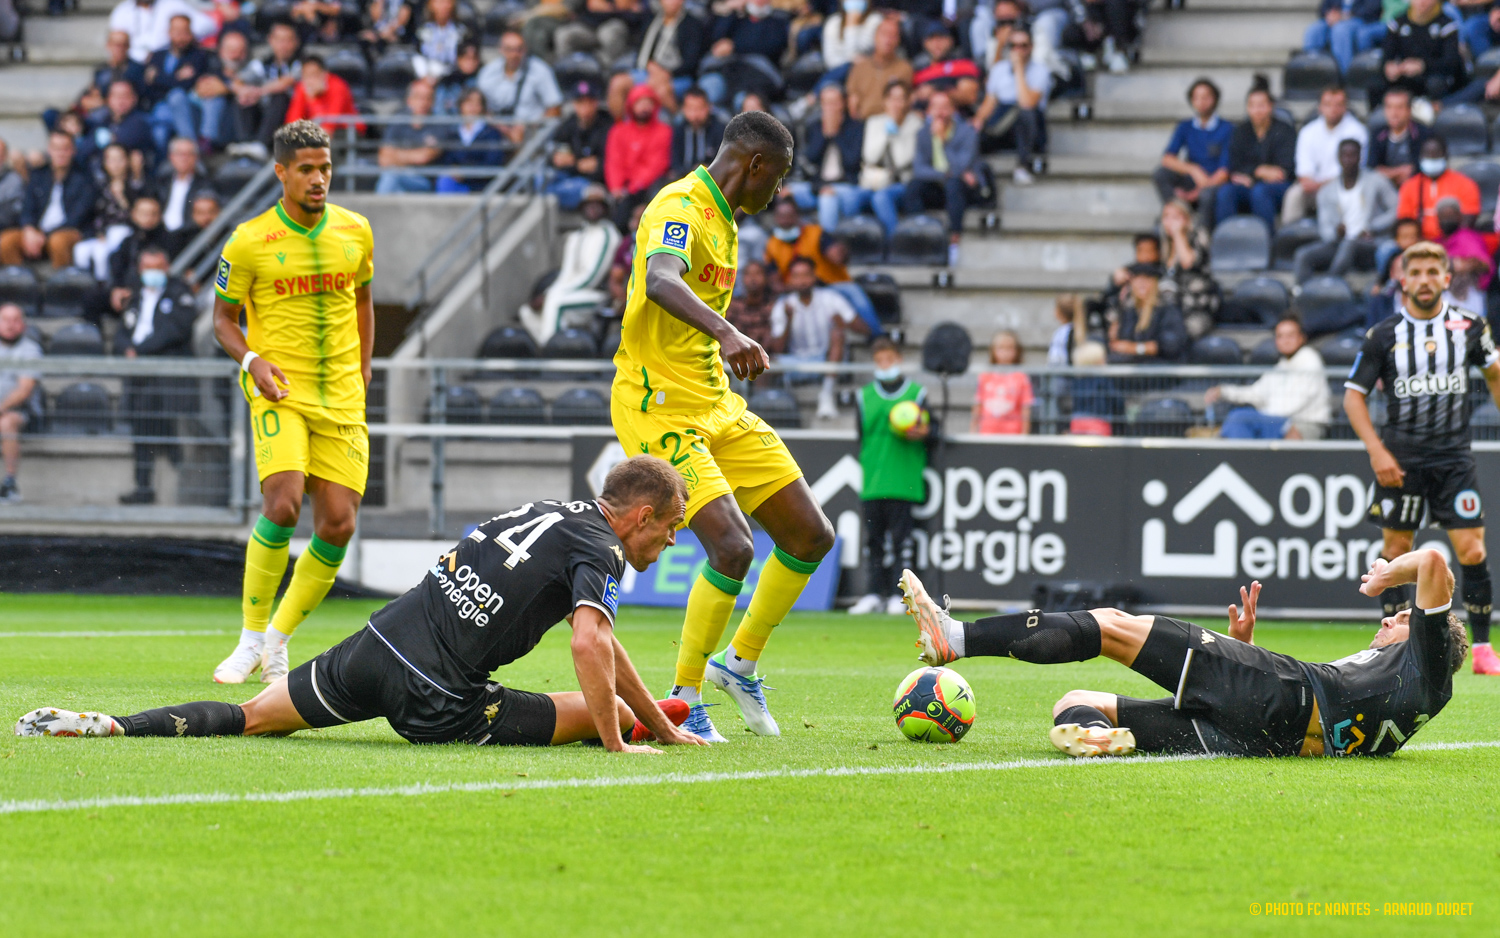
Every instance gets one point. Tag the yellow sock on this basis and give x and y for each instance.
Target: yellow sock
(311, 579)
(781, 582)
(265, 565)
(709, 606)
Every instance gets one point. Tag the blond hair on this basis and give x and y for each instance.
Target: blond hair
(1425, 251)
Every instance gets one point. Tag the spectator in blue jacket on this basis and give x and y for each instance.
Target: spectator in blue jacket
(1345, 28)
(830, 159)
(1196, 160)
(119, 121)
(946, 169)
(55, 211)
(756, 29)
(171, 75)
(1481, 32)
(474, 142)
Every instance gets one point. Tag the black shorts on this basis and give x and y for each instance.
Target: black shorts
(1228, 698)
(360, 679)
(1440, 490)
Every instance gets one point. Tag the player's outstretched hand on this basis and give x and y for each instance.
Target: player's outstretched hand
(1374, 582)
(1242, 625)
(745, 356)
(680, 737)
(266, 375)
(632, 749)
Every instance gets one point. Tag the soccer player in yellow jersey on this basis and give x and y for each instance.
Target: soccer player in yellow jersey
(671, 399)
(301, 274)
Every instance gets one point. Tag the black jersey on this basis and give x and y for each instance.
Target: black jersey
(1371, 702)
(1423, 365)
(490, 599)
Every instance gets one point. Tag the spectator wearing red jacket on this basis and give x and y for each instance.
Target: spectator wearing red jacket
(320, 93)
(637, 153)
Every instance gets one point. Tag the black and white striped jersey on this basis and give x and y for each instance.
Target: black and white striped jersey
(1423, 366)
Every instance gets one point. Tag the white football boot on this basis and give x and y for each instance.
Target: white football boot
(1085, 742)
(273, 662)
(49, 721)
(748, 693)
(243, 662)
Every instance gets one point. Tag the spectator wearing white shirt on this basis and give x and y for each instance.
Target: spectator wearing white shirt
(146, 23)
(583, 279)
(519, 87)
(888, 153)
(1318, 152)
(1355, 213)
(808, 326)
(1288, 402)
(19, 402)
(184, 181)
(1015, 96)
(849, 34)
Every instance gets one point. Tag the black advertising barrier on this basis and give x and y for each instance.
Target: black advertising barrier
(1181, 523)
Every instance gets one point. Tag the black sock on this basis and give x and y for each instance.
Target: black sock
(201, 718)
(1083, 715)
(1477, 600)
(1035, 636)
(1394, 599)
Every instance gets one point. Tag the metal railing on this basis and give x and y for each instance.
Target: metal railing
(198, 259)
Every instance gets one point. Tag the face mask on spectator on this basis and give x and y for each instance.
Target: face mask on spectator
(786, 234)
(1433, 167)
(854, 6)
(758, 10)
(153, 279)
(892, 373)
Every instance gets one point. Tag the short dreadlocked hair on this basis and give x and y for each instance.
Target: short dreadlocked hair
(298, 135)
(758, 131)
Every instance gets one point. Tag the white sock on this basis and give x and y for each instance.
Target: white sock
(691, 694)
(956, 636)
(275, 641)
(253, 639)
(737, 664)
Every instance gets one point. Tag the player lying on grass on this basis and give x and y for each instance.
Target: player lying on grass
(423, 661)
(1228, 696)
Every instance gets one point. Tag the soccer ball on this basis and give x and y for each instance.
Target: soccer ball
(906, 415)
(934, 705)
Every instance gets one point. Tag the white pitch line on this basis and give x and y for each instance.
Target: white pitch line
(605, 781)
(144, 633)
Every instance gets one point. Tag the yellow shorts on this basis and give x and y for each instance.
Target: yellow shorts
(333, 445)
(724, 451)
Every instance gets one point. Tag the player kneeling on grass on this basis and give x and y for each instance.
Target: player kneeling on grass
(1228, 696)
(423, 661)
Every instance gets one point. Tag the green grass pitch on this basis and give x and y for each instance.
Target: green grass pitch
(1046, 847)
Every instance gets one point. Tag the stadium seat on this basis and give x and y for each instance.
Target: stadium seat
(1264, 298)
(1240, 243)
(1265, 352)
(79, 338)
(920, 239)
(521, 406)
(19, 285)
(1215, 350)
(393, 72)
(572, 343)
(81, 408)
(1279, 113)
(803, 75)
(1365, 73)
(744, 74)
(67, 291)
(580, 407)
(233, 176)
(610, 344)
(1306, 75)
(1340, 350)
(499, 17)
(1485, 421)
(508, 342)
(1486, 175)
(884, 295)
(1324, 302)
(461, 404)
(865, 237)
(576, 67)
(1487, 64)
(777, 407)
(1164, 416)
(351, 66)
(1465, 129)
(947, 349)
(1288, 239)
(1376, 122)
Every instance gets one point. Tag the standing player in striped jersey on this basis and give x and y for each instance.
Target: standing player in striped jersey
(1423, 466)
(300, 273)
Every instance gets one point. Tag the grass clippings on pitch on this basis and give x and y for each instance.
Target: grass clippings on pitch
(839, 827)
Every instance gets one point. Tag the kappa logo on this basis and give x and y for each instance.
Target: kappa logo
(1466, 504)
(180, 723)
(490, 712)
(674, 234)
(619, 554)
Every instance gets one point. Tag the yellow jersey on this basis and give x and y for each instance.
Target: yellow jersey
(664, 365)
(297, 286)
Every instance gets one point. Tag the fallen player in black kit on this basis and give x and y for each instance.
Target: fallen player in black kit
(424, 660)
(1229, 697)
